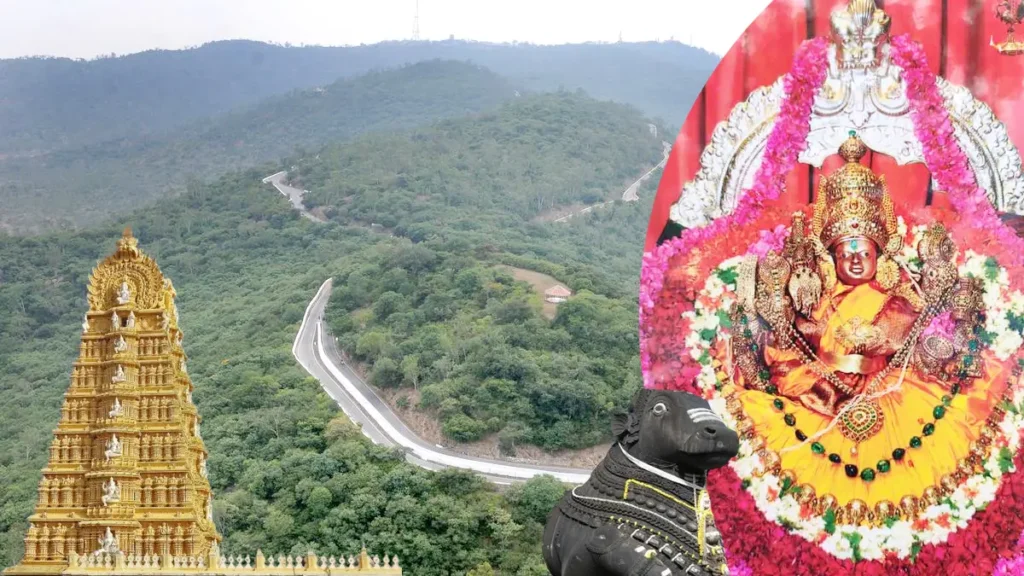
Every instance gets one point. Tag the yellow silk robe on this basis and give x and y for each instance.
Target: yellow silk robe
(905, 412)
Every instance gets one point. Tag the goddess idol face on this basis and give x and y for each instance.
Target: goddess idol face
(856, 260)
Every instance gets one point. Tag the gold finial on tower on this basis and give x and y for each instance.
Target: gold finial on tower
(853, 149)
(128, 245)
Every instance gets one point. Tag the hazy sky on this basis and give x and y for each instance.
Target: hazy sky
(88, 28)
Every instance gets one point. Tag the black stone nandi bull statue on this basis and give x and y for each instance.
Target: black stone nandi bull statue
(644, 510)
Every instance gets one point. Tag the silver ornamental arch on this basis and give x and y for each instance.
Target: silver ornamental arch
(863, 91)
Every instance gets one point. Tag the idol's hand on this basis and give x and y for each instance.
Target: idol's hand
(810, 329)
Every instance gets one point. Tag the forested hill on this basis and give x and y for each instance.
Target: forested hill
(440, 324)
(88, 185)
(530, 156)
(53, 103)
(290, 472)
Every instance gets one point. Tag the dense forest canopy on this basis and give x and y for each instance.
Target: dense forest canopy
(87, 185)
(438, 318)
(428, 308)
(290, 471)
(56, 103)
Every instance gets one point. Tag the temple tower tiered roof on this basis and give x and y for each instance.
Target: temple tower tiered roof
(127, 467)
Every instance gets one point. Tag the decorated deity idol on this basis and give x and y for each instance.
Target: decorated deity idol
(832, 339)
(866, 339)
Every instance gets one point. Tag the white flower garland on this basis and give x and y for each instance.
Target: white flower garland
(900, 537)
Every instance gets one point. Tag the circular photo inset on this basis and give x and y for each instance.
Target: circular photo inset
(833, 262)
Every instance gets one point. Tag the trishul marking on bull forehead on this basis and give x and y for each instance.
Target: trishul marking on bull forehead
(698, 415)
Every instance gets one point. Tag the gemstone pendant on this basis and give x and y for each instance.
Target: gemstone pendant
(862, 422)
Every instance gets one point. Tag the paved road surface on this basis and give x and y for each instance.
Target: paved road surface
(294, 195)
(379, 422)
(630, 193)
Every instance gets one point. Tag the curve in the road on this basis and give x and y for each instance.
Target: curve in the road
(381, 425)
(630, 194)
(294, 195)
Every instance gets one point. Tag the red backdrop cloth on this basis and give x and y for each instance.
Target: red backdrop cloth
(955, 34)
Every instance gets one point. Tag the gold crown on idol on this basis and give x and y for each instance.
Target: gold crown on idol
(854, 202)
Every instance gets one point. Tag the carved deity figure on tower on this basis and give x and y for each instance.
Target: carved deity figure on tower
(131, 320)
(119, 375)
(111, 492)
(124, 295)
(108, 544)
(113, 448)
(115, 322)
(203, 470)
(85, 323)
(165, 321)
(120, 346)
(116, 410)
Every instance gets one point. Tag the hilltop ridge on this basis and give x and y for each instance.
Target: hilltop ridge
(50, 104)
(87, 185)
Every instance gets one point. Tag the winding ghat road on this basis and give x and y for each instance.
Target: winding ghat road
(379, 423)
(362, 404)
(294, 195)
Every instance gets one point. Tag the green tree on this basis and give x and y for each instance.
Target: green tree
(411, 370)
(534, 499)
(484, 569)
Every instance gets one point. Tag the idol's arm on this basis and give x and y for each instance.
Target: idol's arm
(896, 320)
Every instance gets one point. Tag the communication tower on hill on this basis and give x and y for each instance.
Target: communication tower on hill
(416, 22)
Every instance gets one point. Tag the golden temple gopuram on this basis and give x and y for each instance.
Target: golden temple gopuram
(126, 490)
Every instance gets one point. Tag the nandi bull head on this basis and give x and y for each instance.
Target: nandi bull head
(645, 510)
(672, 429)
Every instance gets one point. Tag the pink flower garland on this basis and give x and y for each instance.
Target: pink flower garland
(942, 153)
(787, 139)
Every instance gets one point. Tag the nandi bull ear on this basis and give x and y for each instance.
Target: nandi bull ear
(620, 425)
(626, 427)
